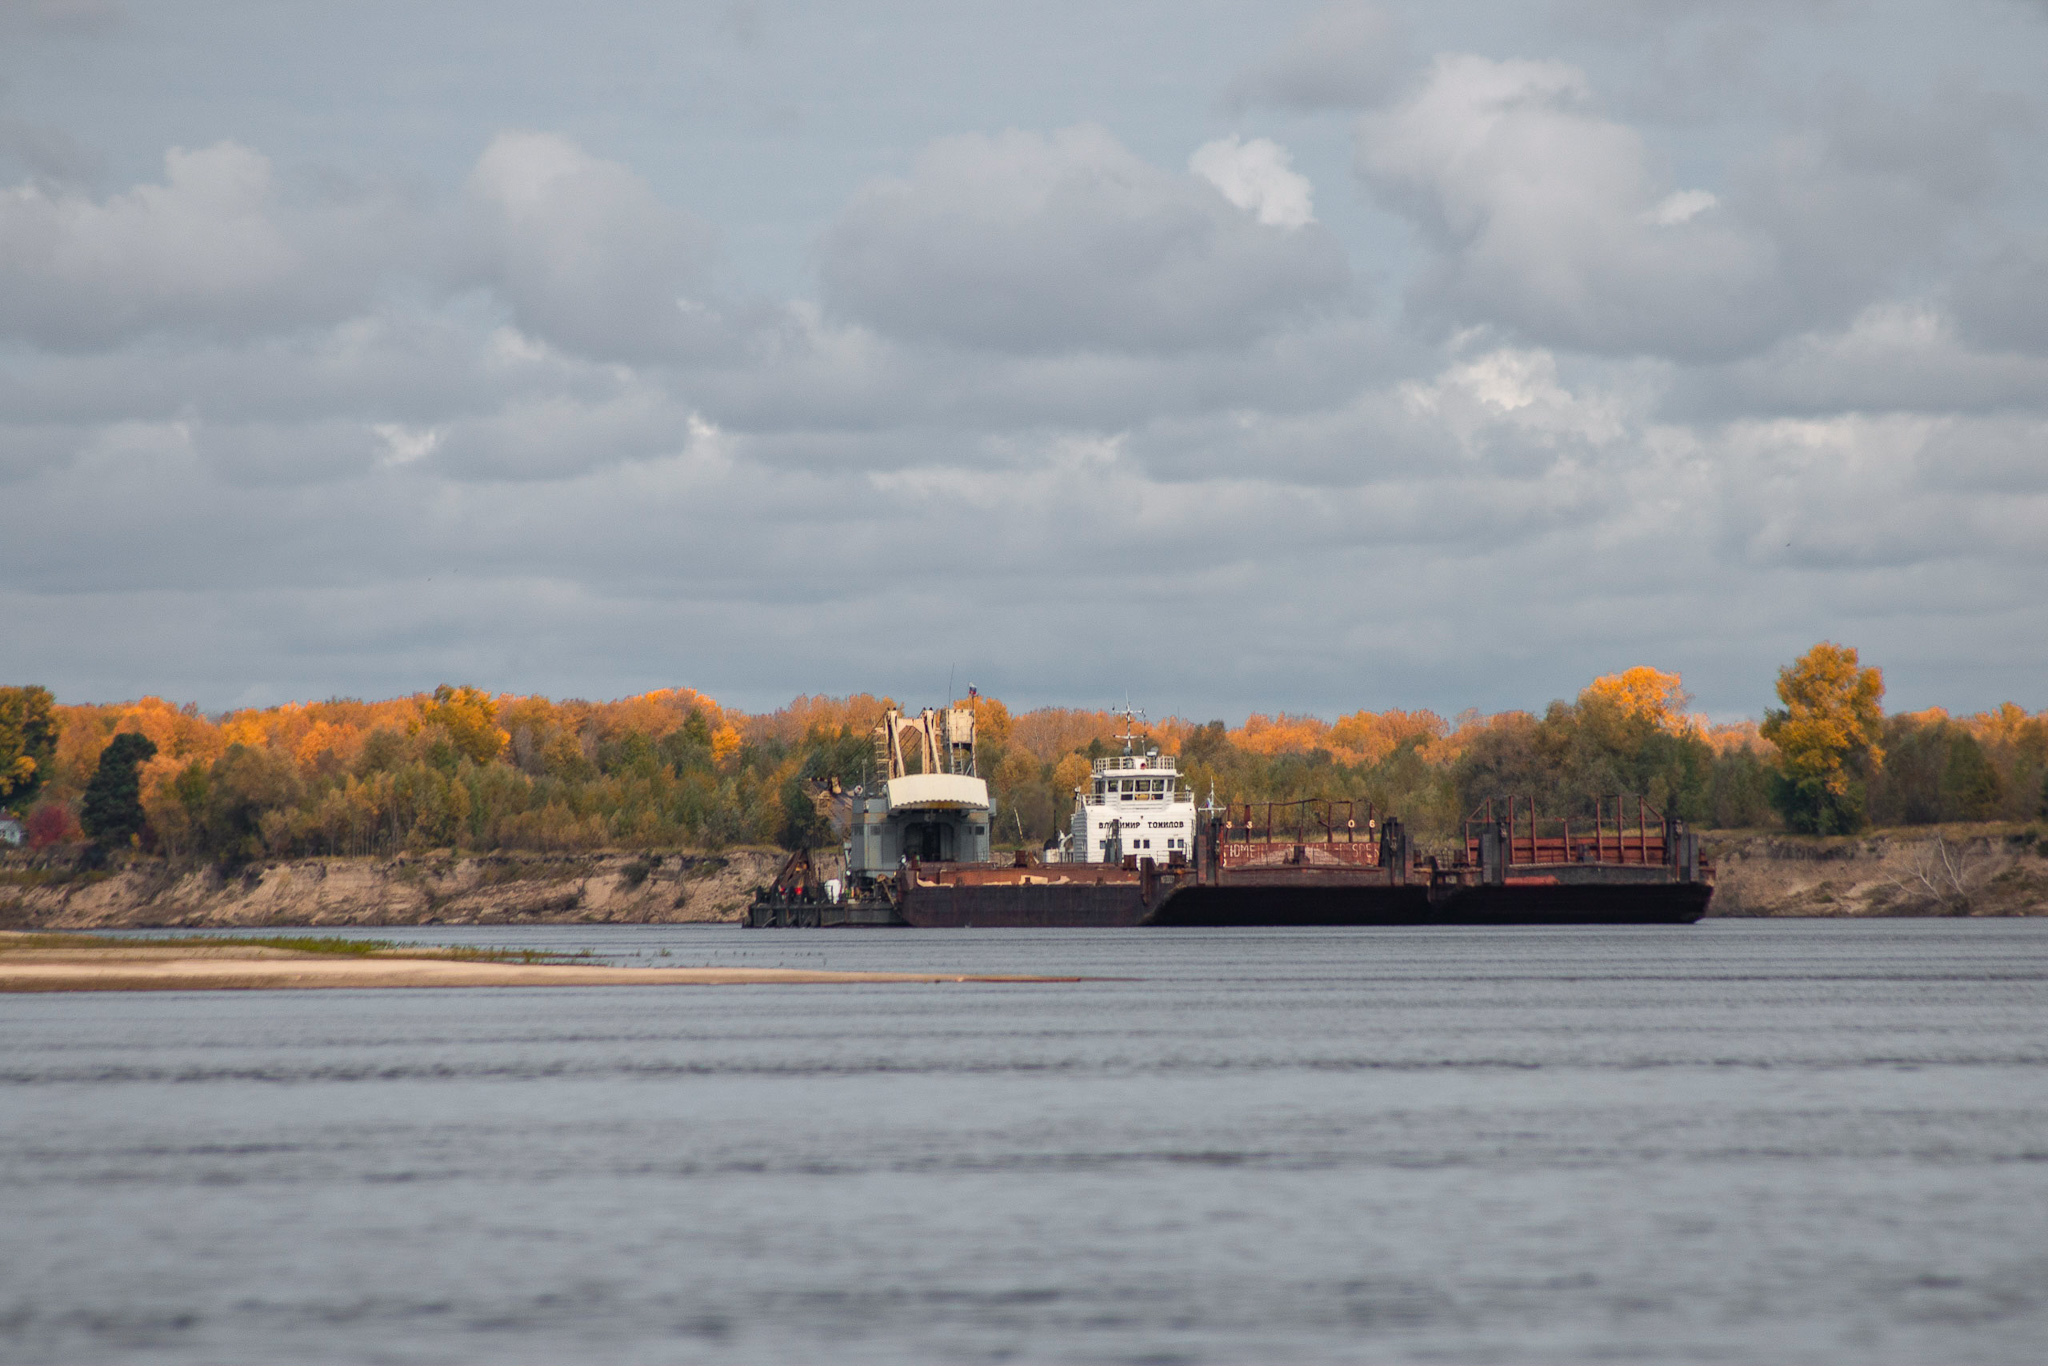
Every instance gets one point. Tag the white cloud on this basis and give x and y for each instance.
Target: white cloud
(1259, 177)
(1681, 206)
(403, 445)
(1518, 392)
(1556, 222)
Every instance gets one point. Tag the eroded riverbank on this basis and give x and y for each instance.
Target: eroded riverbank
(436, 888)
(1953, 870)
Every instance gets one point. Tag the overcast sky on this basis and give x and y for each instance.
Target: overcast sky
(1235, 356)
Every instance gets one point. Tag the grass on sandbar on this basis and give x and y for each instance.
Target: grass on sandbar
(326, 944)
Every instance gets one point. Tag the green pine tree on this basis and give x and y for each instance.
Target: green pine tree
(112, 810)
(801, 826)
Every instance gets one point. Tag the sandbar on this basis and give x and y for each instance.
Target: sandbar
(184, 968)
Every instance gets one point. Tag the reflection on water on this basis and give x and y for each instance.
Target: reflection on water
(1741, 1141)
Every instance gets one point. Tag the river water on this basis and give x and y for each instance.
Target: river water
(1744, 1141)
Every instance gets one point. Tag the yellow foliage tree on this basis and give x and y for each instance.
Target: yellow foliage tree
(1069, 773)
(654, 714)
(805, 713)
(1282, 734)
(470, 717)
(992, 725)
(1650, 694)
(1366, 737)
(725, 742)
(1832, 717)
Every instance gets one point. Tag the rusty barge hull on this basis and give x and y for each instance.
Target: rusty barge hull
(1120, 906)
(1072, 906)
(1672, 903)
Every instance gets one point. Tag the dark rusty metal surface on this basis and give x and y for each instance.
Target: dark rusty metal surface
(1642, 837)
(1019, 905)
(1287, 854)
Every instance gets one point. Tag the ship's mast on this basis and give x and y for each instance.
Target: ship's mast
(1132, 716)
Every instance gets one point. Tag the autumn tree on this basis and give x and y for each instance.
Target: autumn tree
(471, 719)
(992, 724)
(112, 810)
(48, 824)
(1644, 694)
(1826, 732)
(1629, 732)
(244, 786)
(28, 744)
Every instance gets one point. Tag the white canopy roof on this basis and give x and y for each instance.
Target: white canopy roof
(938, 792)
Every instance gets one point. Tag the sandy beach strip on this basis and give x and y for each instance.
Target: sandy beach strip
(183, 969)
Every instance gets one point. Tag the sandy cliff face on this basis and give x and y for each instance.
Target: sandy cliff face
(1953, 871)
(484, 889)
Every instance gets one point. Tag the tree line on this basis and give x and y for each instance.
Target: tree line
(461, 768)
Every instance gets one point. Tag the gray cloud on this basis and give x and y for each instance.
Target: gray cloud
(210, 248)
(1904, 356)
(1859, 493)
(2001, 297)
(586, 255)
(551, 436)
(51, 157)
(1871, 189)
(60, 18)
(1691, 386)
(1030, 243)
(1722, 28)
(1344, 56)
(276, 454)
